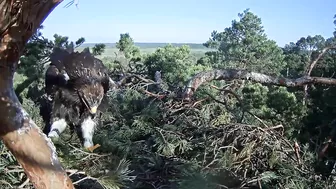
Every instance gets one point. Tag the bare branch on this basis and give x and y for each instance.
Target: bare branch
(314, 62)
(231, 74)
(311, 67)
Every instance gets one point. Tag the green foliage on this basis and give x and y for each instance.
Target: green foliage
(35, 56)
(275, 105)
(245, 45)
(98, 49)
(8, 169)
(175, 64)
(298, 55)
(128, 58)
(126, 45)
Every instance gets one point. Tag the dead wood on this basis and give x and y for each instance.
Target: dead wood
(312, 64)
(232, 74)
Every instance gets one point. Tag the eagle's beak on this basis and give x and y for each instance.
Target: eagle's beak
(93, 110)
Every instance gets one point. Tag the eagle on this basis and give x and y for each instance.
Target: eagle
(76, 84)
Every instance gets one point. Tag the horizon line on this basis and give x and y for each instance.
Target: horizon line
(148, 42)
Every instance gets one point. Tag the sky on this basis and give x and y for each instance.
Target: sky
(186, 21)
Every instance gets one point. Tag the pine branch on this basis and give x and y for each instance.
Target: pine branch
(231, 74)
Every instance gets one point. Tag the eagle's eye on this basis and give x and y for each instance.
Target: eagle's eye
(92, 96)
(92, 99)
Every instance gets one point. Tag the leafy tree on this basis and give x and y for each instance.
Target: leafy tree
(126, 46)
(174, 63)
(298, 55)
(245, 45)
(126, 60)
(98, 49)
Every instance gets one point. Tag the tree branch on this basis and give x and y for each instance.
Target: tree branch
(311, 67)
(32, 149)
(231, 74)
(314, 62)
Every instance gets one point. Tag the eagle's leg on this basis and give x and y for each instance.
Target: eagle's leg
(57, 128)
(87, 131)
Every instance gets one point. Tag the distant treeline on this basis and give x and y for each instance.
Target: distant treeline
(151, 45)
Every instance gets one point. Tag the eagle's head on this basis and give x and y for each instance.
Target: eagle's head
(91, 95)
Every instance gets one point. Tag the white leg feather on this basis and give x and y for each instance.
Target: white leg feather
(66, 77)
(88, 127)
(57, 128)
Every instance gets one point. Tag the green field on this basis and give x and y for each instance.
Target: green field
(197, 50)
(151, 45)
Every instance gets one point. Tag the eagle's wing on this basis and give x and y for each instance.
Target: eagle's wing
(85, 65)
(76, 66)
(54, 78)
(56, 75)
(57, 58)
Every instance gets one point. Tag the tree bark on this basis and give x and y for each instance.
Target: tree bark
(231, 74)
(33, 150)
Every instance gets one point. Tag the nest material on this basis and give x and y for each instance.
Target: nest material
(247, 151)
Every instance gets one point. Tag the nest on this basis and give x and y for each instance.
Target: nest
(248, 152)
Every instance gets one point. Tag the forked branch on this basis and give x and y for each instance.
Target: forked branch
(314, 62)
(312, 65)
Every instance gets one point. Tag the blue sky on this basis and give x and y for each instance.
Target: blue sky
(190, 21)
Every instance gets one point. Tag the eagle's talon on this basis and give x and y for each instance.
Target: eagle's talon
(92, 148)
(87, 150)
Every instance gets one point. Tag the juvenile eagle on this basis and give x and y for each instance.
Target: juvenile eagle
(75, 84)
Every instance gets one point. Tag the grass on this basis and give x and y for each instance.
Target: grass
(151, 45)
(110, 51)
(197, 50)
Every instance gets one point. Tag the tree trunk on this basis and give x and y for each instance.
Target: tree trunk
(33, 150)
